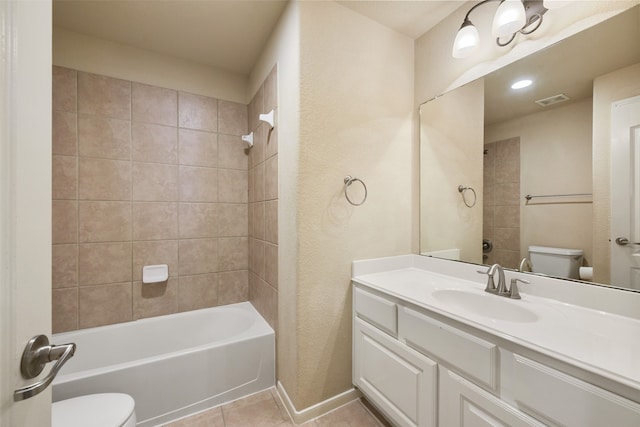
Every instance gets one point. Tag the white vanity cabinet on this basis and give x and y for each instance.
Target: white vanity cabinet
(425, 369)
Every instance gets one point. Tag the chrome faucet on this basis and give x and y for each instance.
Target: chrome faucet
(525, 265)
(501, 289)
(491, 286)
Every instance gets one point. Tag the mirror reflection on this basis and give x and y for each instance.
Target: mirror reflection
(544, 176)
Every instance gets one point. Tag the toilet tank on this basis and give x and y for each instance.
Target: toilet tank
(559, 262)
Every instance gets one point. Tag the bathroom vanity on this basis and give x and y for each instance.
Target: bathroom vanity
(431, 348)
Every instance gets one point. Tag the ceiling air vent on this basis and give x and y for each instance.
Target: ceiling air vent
(552, 100)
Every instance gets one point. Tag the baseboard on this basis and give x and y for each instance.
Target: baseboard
(317, 410)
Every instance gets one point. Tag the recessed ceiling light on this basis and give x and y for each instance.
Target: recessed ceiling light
(521, 84)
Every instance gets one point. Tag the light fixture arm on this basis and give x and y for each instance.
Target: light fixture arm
(534, 10)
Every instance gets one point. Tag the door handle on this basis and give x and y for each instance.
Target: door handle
(623, 241)
(36, 354)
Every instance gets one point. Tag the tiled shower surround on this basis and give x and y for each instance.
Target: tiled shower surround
(502, 202)
(145, 175)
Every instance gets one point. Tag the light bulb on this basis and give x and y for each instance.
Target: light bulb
(510, 18)
(466, 40)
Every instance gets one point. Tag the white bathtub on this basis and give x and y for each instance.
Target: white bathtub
(172, 365)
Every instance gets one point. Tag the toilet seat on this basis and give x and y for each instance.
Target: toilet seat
(95, 410)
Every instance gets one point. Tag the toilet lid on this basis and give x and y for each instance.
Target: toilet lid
(93, 410)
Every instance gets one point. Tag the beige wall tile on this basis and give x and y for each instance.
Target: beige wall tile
(154, 143)
(104, 263)
(232, 118)
(271, 178)
(507, 238)
(198, 148)
(197, 112)
(264, 298)
(197, 220)
(65, 133)
(258, 183)
(155, 299)
(104, 222)
(154, 253)
(233, 287)
(104, 304)
(155, 221)
(64, 272)
(197, 256)
(256, 257)
(64, 87)
(104, 137)
(153, 104)
(271, 141)
(508, 157)
(271, 221)
(64, 221)
(196, 292)
(233, 220)
(198, 184)
(101, 179)
(256, 154)
(252, 184)
(232, 153)
(233, 253)
(507, 217)
(507, 194)
(64, 310)
(257, 221)
(155, 182)
(104, 96)
(64, 182)
(255, 108)
(271, 264)
(271, 90)
(232, 186)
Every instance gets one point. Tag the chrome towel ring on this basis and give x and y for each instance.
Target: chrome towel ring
(463, 190)
(347, 182)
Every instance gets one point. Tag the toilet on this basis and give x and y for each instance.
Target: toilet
(95, 410)
(557, 262)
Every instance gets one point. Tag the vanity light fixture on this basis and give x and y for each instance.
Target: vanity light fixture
(512, 17)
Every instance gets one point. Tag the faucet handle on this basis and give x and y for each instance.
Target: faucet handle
(513, 288)
(491, 286)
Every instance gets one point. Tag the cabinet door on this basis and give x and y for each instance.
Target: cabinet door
(398, 380)
(466, 405)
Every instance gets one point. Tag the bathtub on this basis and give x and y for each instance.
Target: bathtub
(172, 365)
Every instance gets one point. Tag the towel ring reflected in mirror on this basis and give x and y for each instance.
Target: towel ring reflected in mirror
(463, 190)
(347, 182)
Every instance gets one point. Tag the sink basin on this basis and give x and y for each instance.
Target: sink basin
(487, 305)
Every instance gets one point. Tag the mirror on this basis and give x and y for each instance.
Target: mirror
(503, 170)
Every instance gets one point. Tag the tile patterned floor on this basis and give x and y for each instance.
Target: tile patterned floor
(265, 409)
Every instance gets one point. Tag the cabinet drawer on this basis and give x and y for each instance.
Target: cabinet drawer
(474, 357)
(400, 381)
(377, 310)
(561, 399)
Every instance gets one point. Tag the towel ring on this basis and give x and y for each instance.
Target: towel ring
(347, 182)
(463, 191)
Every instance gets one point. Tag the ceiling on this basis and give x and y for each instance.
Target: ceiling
(225, 34)
(568, 67)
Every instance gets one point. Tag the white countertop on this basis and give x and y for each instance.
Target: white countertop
(601, 342)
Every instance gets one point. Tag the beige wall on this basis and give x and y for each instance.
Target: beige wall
(621, 84)
(355, 119)
(448, 153)
(144, 175)
(556, 158)
(94, 55)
